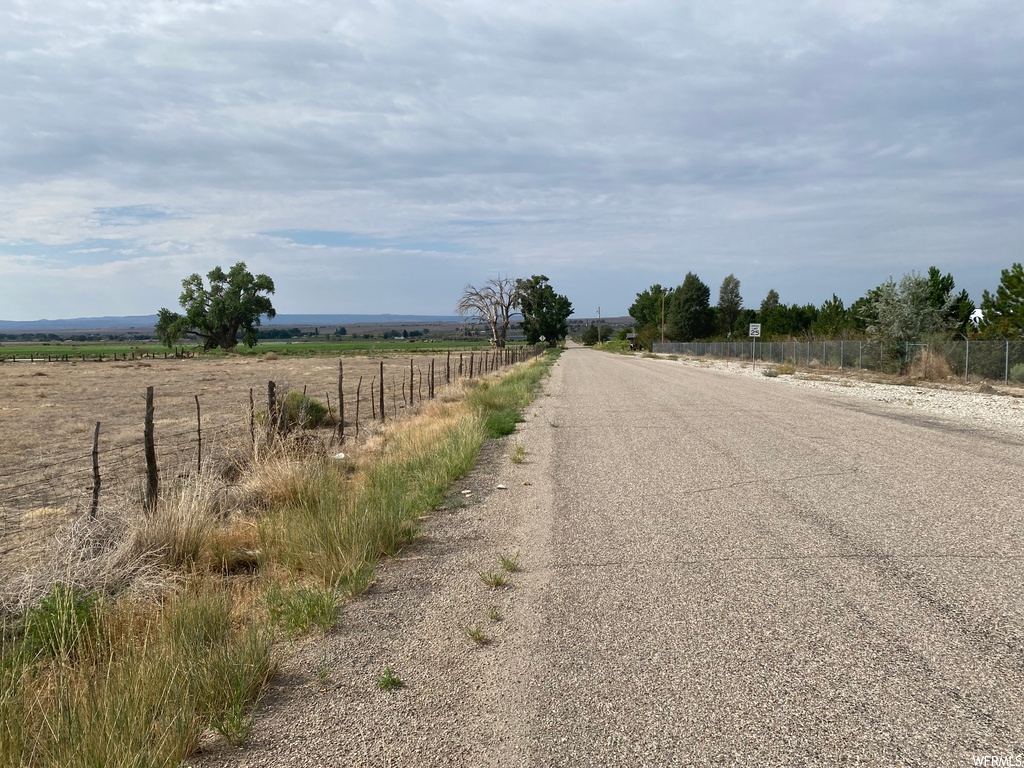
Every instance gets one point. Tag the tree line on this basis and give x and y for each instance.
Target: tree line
(908, 309)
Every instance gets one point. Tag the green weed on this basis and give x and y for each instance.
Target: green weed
(388, 680)
(492, 579)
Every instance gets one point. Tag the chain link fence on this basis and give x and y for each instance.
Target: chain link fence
(969, 361)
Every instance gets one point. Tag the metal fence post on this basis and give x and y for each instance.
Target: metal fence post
(1006, 372)
(967, 363)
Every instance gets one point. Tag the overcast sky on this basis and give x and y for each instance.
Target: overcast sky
(377, 156)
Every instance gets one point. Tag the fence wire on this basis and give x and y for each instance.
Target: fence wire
(36, 493)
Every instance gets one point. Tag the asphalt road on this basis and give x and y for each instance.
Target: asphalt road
(717, 570)
(751, 575)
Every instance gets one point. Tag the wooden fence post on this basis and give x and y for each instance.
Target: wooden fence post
(341, 403)
(95, 471)
(460, 365)
(199, 438)
(448, 368)
(152, 476)
(271, 406)
(373, 399)
(411, 383)
(359, 388)
(381, 393)
(471, 365)
(252, 419)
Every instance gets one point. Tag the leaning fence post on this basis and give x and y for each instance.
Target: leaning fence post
(95, 471)
(152, 476)
(199, 438)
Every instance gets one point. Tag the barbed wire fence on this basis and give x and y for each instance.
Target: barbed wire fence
(36, 495)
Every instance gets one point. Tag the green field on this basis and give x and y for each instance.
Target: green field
(91, 350)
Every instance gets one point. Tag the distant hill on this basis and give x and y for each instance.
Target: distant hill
(146, 322)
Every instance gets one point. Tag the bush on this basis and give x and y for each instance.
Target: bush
(299, 410)
(1017, 373)
(771, 373)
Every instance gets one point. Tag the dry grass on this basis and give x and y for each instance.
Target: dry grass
(930, 366)
(53, 469)
(162, 626)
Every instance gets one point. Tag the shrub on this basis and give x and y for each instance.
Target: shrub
(300, 410)
(771, 373)
(1017, 373)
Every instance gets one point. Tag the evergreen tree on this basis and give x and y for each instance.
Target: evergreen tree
(1004, 310)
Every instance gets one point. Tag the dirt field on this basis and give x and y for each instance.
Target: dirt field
(50, 412)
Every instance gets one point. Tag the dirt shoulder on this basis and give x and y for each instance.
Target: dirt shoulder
(459, 704)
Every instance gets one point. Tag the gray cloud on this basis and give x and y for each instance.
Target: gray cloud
(803, 146)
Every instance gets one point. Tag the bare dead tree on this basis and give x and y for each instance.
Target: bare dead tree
(495, 303)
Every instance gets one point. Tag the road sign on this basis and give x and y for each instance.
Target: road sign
(755, 330)
(543, 339)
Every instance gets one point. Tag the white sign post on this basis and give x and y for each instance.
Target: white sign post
(755, 334)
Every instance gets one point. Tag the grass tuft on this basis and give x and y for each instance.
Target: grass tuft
(510, 564)
(388, 680)
(518, 454)
(494, 580)
(477, 635)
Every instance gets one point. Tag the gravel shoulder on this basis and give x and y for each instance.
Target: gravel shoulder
(998, 408)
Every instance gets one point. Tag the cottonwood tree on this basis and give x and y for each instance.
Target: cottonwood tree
(494, 303)
(690, 316)
(232, 304)
(545, 313)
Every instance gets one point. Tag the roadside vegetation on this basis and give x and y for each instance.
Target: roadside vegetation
(161, 629)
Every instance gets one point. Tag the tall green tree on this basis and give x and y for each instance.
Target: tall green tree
(958, 311)
(646, 310)
(545, 313)
(690, 316)
(1004, 310)
(233, 303)
(729, 304)
(833, 319)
